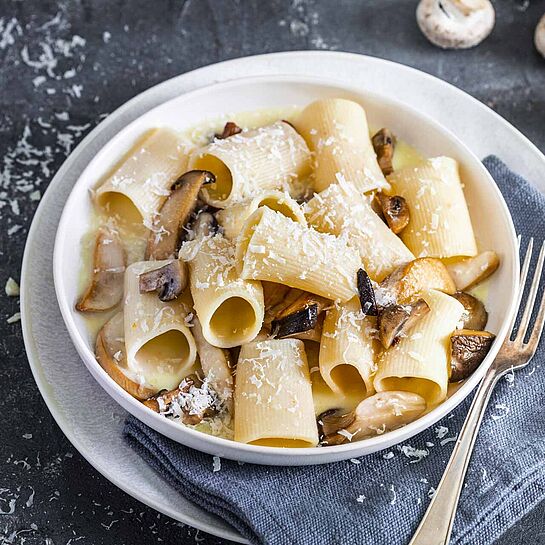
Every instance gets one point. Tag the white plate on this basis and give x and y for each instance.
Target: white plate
(64, 382)
(494, 231)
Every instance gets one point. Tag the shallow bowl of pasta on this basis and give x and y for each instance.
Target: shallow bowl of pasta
(286, 270)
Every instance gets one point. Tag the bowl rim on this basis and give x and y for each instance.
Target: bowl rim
(229, 448)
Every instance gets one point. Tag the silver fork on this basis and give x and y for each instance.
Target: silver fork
(436, 525)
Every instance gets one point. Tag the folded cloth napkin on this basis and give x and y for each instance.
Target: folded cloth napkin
(380, 498)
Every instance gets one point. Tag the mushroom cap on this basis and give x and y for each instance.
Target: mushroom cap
(539, 36)
(455, 24)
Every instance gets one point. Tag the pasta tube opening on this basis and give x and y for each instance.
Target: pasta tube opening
(282, 206)
(233, 321)
(221, 190)
(163, 358)
(119, 206)
(348, 378)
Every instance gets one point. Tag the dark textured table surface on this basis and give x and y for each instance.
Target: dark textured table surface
(63, 67)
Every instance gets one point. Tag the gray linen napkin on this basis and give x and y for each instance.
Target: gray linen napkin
(379, 499)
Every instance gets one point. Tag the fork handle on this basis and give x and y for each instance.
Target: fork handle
(436, 526)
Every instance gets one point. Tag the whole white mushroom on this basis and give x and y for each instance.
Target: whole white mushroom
(539, 36)
(455, 24)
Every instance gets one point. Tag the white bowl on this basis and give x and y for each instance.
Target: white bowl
(490, 216)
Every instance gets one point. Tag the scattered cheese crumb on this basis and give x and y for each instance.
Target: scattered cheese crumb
(216, 464)
(12, 288)
(355, 461)
(15, 318)
(441, 431)
(388, 455)
(361, 498)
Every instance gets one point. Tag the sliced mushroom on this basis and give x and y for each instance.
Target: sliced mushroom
(301, 315)
(455, 24)
(395, 210)
(109, 260)
(539, 36)
(475, 315)
(397, 320)
(111, 355)
(380, 413)
(469, 271)
(192, 401)
(314, 334)
(468, 350)
(230, 129)
(384, 143)
(424, 273)
(166, 235)
(366, 294)
(168, 281)
(274, 293)
(216, 365)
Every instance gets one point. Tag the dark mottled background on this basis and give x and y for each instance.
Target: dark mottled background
(66, 65)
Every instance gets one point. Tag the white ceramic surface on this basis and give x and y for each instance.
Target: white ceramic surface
(62, 379)
(429, 138)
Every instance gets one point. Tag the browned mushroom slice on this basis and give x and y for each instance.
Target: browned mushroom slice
(274, 293)
(395, 210)
(468, 350)
(414, 277)
(384, 145)
(314, 334)
(397, 320)
(106, 287)
(230, 129)
(192, 401)
(366, 294)
(380, 413)
(301, 315)
(475, 315)
(168, 281)
(111, 355)
(469, 271)
(167, 231)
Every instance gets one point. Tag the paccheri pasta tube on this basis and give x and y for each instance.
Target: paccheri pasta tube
(273, 395)
(141, 182)
(439, 224)
(273, 247)
(336, 131)
(342, 209)
(230, 308)
(251, 162)
(419, 362)
(159, 343)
